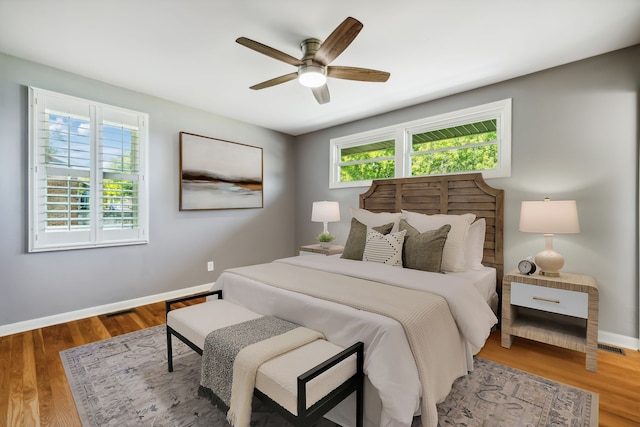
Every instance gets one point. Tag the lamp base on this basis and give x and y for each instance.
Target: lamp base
(549, 261)
(550, 273)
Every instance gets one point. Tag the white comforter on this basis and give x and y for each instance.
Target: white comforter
(389, 363)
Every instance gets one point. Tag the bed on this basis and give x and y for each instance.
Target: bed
(420, 328)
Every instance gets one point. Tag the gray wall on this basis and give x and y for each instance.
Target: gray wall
(575, 136)
(44, 284)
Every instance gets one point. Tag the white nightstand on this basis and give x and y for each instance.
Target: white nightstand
(561, 311)
(318, 250)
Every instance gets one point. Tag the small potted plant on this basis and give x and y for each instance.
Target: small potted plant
(325, 239)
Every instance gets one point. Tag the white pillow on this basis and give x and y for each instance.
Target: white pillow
(373, 219)
(453, 258)
(474, 246)
(384, 248)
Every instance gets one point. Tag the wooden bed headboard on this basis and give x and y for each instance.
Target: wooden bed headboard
(448, 194)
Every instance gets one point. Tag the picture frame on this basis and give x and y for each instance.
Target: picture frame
(219, 174)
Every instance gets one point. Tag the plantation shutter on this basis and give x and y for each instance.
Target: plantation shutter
(87, 183)
(120, 179)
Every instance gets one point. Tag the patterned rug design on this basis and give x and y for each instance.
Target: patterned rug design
(123, 381)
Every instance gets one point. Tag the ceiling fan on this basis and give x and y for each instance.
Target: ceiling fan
(313, 67)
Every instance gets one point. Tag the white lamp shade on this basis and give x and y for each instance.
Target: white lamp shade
(325, 212)
(549, 217)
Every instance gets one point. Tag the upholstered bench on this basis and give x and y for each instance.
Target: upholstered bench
(302, 384)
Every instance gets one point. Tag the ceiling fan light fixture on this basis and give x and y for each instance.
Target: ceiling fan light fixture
(312, 75)
(313, 68)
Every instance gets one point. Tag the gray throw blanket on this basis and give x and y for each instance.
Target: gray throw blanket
(220, 349)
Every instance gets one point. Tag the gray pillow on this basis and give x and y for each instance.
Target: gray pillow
(423, 251)
(354, 248)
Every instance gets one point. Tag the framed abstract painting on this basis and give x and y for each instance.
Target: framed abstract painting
(219, 174)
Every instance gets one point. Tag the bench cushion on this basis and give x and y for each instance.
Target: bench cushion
(277, 378)
(196, 321)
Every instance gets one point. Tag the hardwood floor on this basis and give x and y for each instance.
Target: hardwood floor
(34, 389)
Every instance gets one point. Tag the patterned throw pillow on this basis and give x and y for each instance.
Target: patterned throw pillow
(384, 248)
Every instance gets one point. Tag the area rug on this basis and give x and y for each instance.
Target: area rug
(123, 381)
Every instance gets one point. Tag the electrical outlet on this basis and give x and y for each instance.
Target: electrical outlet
(210, 266)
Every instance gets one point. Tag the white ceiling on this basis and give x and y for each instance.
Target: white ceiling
(185, 51)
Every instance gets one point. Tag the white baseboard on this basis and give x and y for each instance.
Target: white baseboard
(42, 322)
(619, 340)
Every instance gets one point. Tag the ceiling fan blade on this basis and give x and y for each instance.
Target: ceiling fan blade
(269, 51)
(276, 81)
(338, 41)
(322, 94)
(360, 74)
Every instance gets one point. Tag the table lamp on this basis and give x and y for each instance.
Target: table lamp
(549, 217)
(325, 212)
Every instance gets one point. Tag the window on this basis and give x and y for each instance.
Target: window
(87, 173)
(476, 139)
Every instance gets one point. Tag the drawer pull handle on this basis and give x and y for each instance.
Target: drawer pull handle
(556, 301)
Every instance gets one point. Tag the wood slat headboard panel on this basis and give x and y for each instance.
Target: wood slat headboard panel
(450, 194)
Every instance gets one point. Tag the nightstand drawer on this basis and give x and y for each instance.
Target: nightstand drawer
(319, 250)
(554, 300)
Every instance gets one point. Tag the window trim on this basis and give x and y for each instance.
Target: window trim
(96, 235)
(383, 134)
(401, 133)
